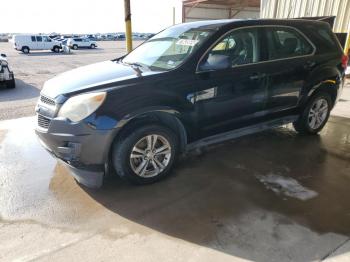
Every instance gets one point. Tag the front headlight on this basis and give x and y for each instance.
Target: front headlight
(79, 107)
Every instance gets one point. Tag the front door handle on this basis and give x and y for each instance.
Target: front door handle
(257, 76)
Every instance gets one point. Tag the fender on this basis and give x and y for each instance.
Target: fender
(325, 78)
(169, 116)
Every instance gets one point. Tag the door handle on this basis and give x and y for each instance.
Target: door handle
(257, 76)
(309, 64)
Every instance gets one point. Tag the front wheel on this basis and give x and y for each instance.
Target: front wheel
(75, 47)
(146, 155)
(315, 115)
(11, 83)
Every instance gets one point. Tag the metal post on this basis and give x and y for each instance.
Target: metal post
(174, 15)
(128, 25)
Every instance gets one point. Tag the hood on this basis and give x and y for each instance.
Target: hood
(89, 76)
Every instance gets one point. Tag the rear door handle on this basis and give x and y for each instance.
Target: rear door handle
(257, 76)
(309, 64)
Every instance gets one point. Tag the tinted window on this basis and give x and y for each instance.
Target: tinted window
(77, 39)
(39, 39)
(285, 42)
(327, 43)
(241, 46)
(33, 39)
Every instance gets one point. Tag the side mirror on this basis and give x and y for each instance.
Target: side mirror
(3, 55)
(215, 62)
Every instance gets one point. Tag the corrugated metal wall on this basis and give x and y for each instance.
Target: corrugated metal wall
(207, 12)
(302, 8)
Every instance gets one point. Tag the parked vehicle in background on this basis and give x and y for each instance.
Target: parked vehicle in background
(7, 77)
(27, 43)
(191, 85)
(76, 43)
(91, 37)
(120, 36)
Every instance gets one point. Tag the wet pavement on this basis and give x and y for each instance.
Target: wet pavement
(273, 196)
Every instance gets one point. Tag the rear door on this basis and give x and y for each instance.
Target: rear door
(39, 42)
(290, 60)
(32, 42)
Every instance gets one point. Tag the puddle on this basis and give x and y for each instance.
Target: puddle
(286, 186)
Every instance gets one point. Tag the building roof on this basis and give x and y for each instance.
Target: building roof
(228, 3)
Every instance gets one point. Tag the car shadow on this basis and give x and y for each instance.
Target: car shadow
(40, 53)
(218, 198)
(22, 91)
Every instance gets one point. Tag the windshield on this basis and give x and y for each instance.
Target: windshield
(168, 49)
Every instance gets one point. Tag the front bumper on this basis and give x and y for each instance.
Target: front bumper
(83, 148)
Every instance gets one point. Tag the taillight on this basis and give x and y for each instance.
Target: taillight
(344, 61)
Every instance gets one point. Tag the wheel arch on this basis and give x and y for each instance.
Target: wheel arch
(324, 79)
(167, 117)
(329, 86)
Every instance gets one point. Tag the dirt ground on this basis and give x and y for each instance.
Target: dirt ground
(273, 196)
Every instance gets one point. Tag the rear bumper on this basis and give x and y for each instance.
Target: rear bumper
(83, 149)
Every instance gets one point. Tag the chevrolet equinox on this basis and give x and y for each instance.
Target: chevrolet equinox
(190, 85)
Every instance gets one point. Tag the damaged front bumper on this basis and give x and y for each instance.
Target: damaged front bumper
(80, 146)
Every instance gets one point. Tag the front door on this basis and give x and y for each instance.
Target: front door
(235, 94)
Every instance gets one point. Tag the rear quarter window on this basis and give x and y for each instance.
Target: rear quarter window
(285, 42)
(324, 39)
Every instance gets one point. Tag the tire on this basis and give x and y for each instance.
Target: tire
(56, 49)
(25, 49)
(127, 166)
(92, 46)
(311, 123)
(11, 84)
(75, 47)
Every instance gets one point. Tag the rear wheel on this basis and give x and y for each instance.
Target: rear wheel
(25, 49)
(92, 46)
(146, 155)
(56, 49)
(315, 115)
(75, 47)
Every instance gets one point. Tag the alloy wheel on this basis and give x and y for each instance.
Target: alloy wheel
(318, 113)
(150, 156)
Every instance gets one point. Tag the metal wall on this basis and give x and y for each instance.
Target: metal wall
(207, 12)
(307, 8)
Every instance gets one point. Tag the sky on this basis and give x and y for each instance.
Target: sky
(85, 16)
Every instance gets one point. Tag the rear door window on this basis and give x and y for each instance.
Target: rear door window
(286, 42)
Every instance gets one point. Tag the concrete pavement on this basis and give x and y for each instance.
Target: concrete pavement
(274, 196)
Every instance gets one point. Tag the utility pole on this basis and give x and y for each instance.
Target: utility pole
(128, 25)
(173, 15)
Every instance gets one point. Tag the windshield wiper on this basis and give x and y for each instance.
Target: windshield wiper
(136, 64)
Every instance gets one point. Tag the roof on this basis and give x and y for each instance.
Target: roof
(228, 3)
(220, 23)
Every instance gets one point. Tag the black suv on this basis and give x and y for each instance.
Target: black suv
(190, 85)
